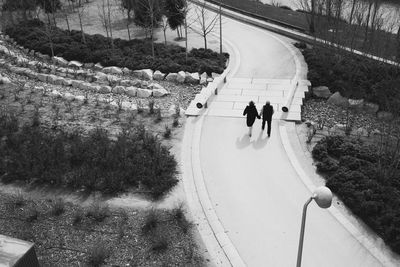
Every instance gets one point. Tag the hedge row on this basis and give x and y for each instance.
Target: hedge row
(134, 54)
(366, 180)
(355, 76)
(95, 163)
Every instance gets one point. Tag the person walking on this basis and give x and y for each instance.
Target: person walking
(266, 113)
(252, 114)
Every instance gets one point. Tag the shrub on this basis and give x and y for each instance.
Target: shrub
(151, 221)
(93, 162)
(159, 242)
(369, 187)
(77, 217)
(133, 54)
(167, 132)
(98, 211)
(327, 165)
(320, 151)
(98, 254)
(57, 207)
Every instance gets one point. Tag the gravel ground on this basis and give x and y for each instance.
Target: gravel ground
(61, 242)
(317, 110)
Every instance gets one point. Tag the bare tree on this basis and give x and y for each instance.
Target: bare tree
(164, 26)
(81, 12)
(126, 5)
(105, 17)
(205, 20)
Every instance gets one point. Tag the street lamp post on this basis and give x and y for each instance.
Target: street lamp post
(323, 197)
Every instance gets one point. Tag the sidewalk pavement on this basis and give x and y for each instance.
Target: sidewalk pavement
(246, 194)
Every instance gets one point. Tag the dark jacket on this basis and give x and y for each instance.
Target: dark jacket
(267, 112)
(252, 113)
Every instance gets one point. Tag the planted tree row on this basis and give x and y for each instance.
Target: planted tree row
(133, 54)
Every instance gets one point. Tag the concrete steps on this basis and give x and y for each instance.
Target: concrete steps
(238, 92)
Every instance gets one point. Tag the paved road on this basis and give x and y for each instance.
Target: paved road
(253, 187)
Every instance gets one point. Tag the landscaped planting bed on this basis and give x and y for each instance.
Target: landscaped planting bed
(134, 54)
(366, 178)
(355, 77)
(136, 159)
(67, 234)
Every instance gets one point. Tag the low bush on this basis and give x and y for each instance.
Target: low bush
(133, 54)
(98, 254)
(135, 159)
(354, 76)
(368, 186)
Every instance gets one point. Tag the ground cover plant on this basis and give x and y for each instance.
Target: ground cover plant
(133, 54)
(355, 76)
(98, 235)
(136, 159)
(365, 178)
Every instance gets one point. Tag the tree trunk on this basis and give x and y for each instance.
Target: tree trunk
(66, 19)
(80, 23)
(109, 23)
(367, 24)
(353, 5)
(312, 22)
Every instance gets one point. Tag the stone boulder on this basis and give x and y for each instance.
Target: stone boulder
(180, 78)
(203, 78)
(69, 97)
(210, 80)
(215, 75)
(51, 78)
(321, 91)
(357, 104)
(131, 91)
(76, 83)
(195, 77)
(125, 83)
(371, 108)
(338, 100)
(88, 65)
(126, 71)
(136, 82)
(67, 82)
(80, 98)
(55, 94)
(144, 93)
(154, 86)
(158, 75)
(42, 77)
(113, 70)
(171, 77)
(98, 66)
(118, 89)
(147, 74)
(60, 61)
(105, 89)
(58, 80)
(160, 92)
(101, 78)
(85, 86)
(75, 64)
(384, 115)
(113, 80)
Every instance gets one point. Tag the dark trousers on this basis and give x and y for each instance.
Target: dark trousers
(269, 126)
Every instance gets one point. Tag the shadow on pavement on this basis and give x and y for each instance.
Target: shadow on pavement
(257, 143)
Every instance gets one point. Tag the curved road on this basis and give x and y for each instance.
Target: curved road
(256, 193)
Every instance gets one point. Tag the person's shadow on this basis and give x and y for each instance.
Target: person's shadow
(261, 141)
(243, 142)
